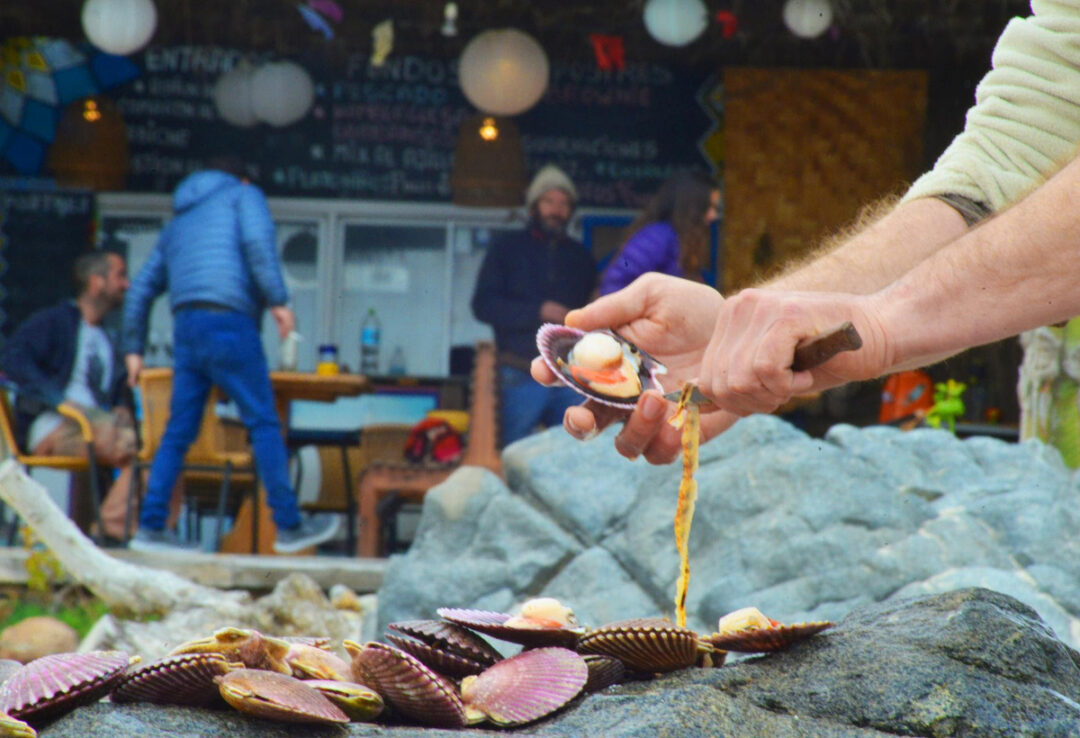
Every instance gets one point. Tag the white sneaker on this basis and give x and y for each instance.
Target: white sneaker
(313, 530)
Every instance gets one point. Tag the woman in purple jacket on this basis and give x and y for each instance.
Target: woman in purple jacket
(670, 236)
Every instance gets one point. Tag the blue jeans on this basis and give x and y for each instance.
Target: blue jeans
(223, 349)
(524, 404)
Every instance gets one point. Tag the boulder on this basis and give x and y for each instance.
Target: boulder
(803, 528)
(37, 636)
(969, 662)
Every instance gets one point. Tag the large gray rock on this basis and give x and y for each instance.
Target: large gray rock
(965, 663)
(803, 528)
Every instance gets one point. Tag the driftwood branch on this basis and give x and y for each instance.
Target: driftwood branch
(141, 590)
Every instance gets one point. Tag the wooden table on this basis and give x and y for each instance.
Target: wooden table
(288, 386)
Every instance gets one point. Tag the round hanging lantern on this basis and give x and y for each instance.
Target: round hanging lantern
(503, 72)
(489, 163)
(675, 22)
(808, 18)
(119, 26)
(281, 93)
(91, 146)
(232, 95)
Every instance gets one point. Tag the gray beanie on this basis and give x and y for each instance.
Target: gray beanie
(550, 177)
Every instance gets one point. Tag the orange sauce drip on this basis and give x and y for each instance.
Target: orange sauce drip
(687, 415)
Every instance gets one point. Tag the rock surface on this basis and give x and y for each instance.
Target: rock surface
(969, 662)
(803, 528)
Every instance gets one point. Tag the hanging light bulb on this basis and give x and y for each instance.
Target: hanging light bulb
(488, 130)
(449, 26)
(808, 18)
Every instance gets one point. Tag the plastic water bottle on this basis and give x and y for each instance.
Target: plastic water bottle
(397, 363)
(369, 343)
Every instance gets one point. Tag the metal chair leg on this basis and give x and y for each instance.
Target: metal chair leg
(95, 493)
(350, 503)
(222, 494)
(134, 492)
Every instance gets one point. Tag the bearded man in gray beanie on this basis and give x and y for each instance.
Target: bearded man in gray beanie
(528, 278)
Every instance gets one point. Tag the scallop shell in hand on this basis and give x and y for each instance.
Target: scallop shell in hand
(601, 365)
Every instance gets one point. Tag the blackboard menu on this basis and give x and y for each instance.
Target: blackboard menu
(41, 234)
(389, 132)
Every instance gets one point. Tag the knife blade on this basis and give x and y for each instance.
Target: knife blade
(809, 353)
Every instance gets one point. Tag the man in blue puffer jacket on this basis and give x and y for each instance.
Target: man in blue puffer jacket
(218, 260)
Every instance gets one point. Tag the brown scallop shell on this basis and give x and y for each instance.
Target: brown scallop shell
(443, 662)
(528, 686)
(360, 703)
(762, 640)
(275, 696)
(644, 644)
(494, 624)
(603, 671)
(555, 342)
(56, 684)
(183, 679)
(408, 685)
(451, 638)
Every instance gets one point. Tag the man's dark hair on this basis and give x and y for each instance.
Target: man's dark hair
(87, 265)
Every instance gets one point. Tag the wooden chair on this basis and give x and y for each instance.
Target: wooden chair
(214, 458)
(82, 464)
(412, 481)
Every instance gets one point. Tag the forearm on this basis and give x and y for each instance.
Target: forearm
(878, 254)
(1017, 271)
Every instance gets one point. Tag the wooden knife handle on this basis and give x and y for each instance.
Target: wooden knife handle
(819, 349)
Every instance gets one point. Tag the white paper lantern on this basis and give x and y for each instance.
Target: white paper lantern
(119, 26)
(503, 72)
(281, 93)
(675, 22)
(808, 18)
(232, 95)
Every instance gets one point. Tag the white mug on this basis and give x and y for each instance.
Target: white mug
(290, 351)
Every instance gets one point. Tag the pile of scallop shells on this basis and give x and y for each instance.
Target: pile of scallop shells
(439, 673)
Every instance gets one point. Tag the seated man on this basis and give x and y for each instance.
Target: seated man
(62, 354)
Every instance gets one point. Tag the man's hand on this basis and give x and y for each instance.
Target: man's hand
(134, 363)
(553, 312)
(747, 365)
(285, 320)
(669, 318)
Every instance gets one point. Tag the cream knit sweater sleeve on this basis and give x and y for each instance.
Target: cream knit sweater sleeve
(1025, 123)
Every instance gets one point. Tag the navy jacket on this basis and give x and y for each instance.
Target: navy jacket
(40, 356)
(219, 248)
(520, 271)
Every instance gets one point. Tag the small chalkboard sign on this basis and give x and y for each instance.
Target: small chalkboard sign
(41, 234)
(389, 132)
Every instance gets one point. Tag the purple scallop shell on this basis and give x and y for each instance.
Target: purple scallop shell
(493, 624)
(763, 640)
(278, 697)
(645, 644)
(450, 638)
(56, 684)
(184, 679)
(555, 341)
(445, 663)
(528, 686)
(411, 688)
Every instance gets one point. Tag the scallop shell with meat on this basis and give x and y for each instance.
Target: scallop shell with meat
(601, 365)
(513, 628)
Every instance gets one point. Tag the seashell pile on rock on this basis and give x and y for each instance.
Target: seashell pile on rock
(441, 673)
